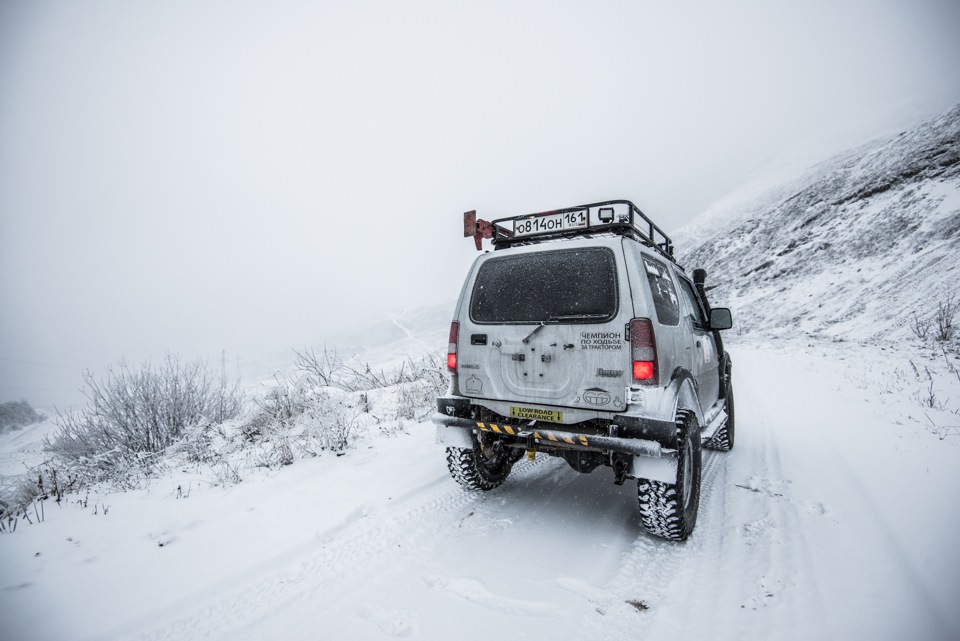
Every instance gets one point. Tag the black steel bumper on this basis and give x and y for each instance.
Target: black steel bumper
(628, 434)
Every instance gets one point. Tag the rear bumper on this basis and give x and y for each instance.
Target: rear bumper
(533, 437)
(647, 447)
(625, 431)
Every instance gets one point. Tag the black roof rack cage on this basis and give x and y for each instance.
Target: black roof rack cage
(613, 216)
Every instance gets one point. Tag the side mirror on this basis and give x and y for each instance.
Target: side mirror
(720, 318)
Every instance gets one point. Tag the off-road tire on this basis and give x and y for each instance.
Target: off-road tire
(475, 471)
(723, 440)
(669, 510)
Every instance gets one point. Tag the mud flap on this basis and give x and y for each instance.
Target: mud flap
(454, 436)
(656, 469)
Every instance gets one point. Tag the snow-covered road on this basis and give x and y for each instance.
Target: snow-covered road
(827, 520)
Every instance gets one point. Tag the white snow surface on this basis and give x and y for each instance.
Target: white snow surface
(833, 517)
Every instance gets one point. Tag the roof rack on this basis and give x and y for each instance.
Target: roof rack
(620, 217)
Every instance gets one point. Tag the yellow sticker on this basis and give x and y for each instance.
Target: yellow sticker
(530, 413)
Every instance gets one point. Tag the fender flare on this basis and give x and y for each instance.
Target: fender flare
(726, 369)
(681, 394)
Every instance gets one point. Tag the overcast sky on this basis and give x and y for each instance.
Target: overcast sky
(191, 176)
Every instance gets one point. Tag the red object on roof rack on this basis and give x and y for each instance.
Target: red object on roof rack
(479, 229)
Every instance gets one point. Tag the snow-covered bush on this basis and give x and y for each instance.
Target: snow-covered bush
(301, 415)
(133, 416)
(140, 423)
(325, 405)
(17, 414)
(423, 381)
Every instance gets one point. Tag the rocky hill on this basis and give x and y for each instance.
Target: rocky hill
(854, 247)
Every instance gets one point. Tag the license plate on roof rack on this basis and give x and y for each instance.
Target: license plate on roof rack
(546, 223)
(609, 217)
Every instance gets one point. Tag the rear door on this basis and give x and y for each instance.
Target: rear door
(547, 328)
(700, 345)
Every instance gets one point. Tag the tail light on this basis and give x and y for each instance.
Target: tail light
(452, 347)
(643, 351)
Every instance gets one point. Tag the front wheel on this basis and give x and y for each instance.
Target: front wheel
(481, 467)
(669, 510)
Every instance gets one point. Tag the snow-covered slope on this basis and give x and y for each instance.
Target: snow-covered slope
(853, 247)
(398, 335)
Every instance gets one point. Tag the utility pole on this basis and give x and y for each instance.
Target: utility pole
(223, 368)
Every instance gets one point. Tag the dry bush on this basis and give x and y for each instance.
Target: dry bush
(327, 369)
(947, 309)
(422, 382)
(300, 415)
(920, 326)
(133, 416)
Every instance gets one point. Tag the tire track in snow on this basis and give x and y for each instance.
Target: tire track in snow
(757, 551)
(734, 567)
(777, 552)
(349, 555)
(649, 572)
(850, 561)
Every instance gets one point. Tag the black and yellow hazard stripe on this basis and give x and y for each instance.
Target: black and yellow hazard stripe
(540, 435)
(499, 429)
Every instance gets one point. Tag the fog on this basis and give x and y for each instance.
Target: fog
(192, 177)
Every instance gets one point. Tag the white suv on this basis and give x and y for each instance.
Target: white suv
(580, 337)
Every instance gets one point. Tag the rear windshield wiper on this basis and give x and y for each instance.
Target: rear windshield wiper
(560, 317)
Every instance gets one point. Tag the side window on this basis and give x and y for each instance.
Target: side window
(691, 303)
(664, 295)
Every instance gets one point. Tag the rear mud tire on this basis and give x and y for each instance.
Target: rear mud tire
(474, 470)
(722, 441)
(669, 510)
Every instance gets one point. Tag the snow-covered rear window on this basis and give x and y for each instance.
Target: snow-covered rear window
(569, 285)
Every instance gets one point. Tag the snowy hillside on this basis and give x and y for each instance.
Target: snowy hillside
(852, 248)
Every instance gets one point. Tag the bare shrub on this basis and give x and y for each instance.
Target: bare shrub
(950, 366)
(133, 416)
(45, 481)
(301, 415)
(323, 370)
(928, 398)
(947, 310)
(280, 406)
(423, 381)
(327, 369)
(329, 423)
(318, 406)
(920, 326)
